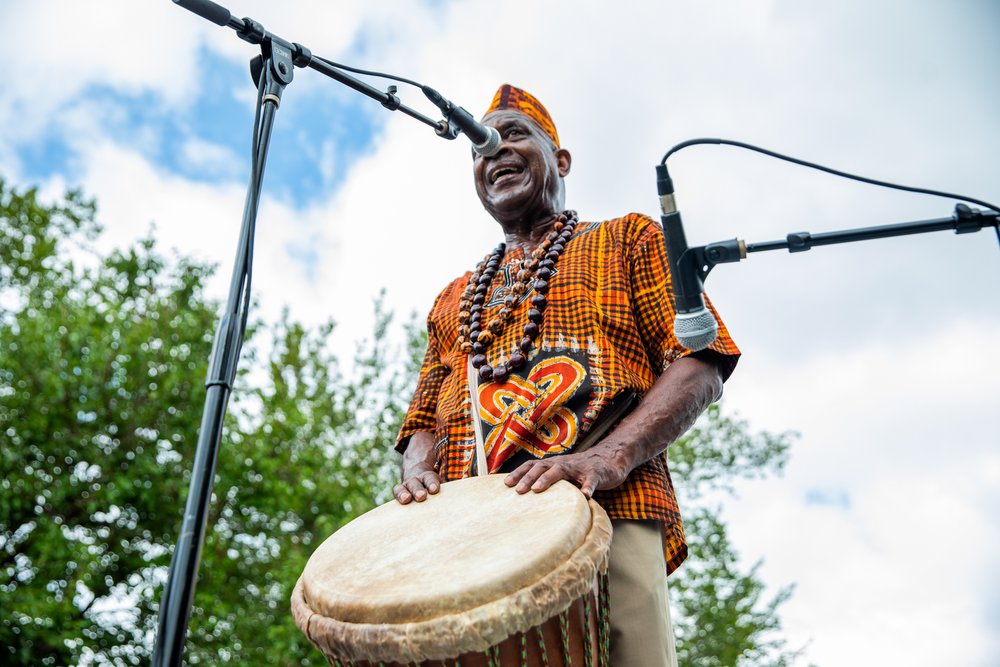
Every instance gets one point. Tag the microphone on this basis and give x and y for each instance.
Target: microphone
(485, 140)
(694, 325)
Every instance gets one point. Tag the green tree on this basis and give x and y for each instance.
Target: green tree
(102, 364)
(97, 365)
(720, 616)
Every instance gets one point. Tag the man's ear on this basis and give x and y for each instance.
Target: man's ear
(564, 161)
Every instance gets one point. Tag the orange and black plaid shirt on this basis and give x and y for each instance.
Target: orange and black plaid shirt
(607, 331)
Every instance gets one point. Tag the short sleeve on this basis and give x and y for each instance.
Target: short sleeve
(422, 413)
(420, 416)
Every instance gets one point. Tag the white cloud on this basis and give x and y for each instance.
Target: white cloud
(905, 432)
(62, 48)
(210, 159)
(885, 581)
(879, 353)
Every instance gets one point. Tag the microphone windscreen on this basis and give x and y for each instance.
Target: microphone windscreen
(696, 330)
(491, 145)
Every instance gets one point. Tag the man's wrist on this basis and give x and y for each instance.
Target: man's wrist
(419, 456)
(617, 455)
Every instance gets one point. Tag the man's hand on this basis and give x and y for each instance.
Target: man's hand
(669, 408)
(418, 475)
(596, 468)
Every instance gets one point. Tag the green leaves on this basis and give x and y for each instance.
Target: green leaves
(308, 449)
(721, 618)
(32, 232)
(99, 367)
(102, 368)
(720, 449)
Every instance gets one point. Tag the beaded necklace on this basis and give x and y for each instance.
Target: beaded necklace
(473, 337)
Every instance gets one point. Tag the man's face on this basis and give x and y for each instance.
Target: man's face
(523, 180)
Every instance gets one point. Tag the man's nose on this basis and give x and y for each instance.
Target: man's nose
(503, 149)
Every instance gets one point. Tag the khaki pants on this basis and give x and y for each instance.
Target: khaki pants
(641, 633)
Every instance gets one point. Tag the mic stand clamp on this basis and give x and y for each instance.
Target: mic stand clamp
(391, 100)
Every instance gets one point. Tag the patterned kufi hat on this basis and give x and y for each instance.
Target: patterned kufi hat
(509, 97)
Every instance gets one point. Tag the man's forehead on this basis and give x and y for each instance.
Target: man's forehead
(506, 118)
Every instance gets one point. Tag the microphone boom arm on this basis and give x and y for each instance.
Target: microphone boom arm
(253, 32)
(965, 220)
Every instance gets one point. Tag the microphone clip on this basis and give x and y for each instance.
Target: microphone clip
(447, 130)
(391, 99)
(446, 127)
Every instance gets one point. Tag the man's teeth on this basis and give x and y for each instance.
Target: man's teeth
(503, 172)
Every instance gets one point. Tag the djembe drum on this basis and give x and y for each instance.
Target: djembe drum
(475, 575)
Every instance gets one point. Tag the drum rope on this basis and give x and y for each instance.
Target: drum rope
(588, 645)
(564, 635)
(603, 609)
(541, 645)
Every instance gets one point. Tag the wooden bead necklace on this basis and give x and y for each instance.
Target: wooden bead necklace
(473, 337)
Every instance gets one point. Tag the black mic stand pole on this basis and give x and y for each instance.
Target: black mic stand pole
(965, 220)
(272, 71)
(276, 69)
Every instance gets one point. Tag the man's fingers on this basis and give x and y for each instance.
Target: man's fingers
(515, 476)
(548, 478)
(401, 494)
(588, 485)
(430, 481)
(580, 475)
(417, 487)
(527, 473)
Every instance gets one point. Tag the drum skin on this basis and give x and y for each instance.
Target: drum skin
(457, 574)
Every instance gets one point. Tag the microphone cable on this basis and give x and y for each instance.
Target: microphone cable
(829, 170)
(366, 72)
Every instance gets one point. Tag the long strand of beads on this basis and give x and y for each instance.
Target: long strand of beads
(473, 337)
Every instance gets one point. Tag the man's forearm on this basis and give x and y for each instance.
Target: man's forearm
(670, 407)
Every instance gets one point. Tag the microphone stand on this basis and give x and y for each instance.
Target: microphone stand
(272, 71)
(965, 220)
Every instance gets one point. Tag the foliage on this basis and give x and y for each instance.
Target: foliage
(98, 366)
(102, 364)
(720, 619)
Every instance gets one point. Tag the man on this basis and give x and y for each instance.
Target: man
(557, 330)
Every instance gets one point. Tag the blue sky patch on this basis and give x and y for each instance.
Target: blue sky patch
(837, 498)
(319, 132)
(43, 158)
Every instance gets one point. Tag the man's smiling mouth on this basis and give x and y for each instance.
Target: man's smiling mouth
(504, 171)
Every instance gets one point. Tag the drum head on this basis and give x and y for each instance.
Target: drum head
(458, 572)
(472, 543)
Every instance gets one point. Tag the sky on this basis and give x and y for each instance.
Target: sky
(876, 353)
